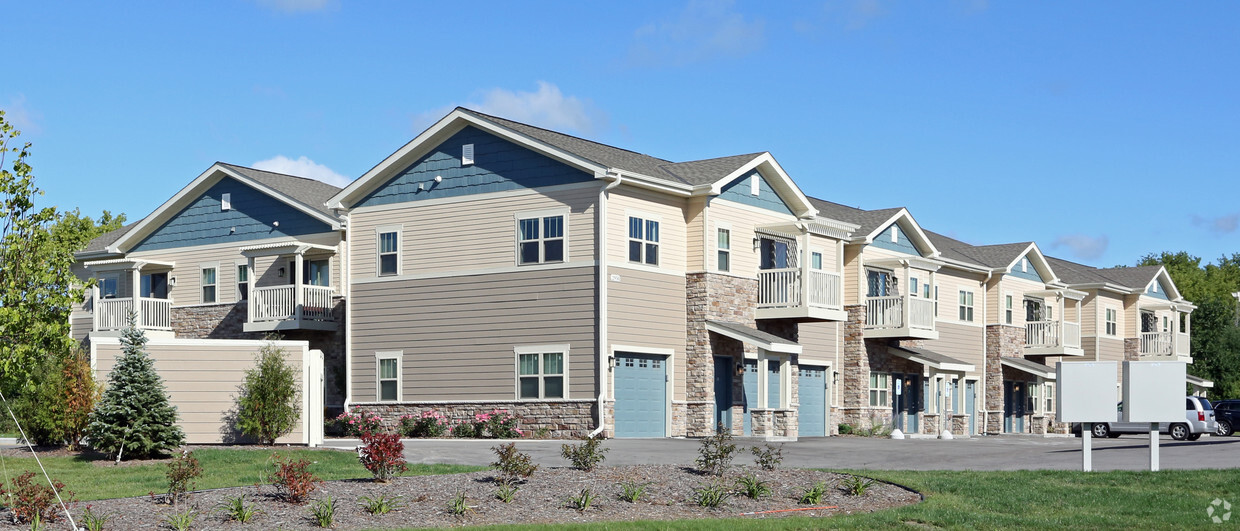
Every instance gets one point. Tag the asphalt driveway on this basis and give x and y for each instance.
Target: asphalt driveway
(1130, 452)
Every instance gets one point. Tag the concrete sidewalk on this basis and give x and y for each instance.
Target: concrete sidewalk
(977, 453)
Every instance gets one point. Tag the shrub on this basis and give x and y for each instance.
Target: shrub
(183, 471)
(268, 405)
(429, 424)
(292, 479)
(32, 501)
(81, 393)
(513, 466)
(497, 424)
(582, 500)
(856, 485)
(710, 495)
(55, 408)
(357, 422)
(324, 512)
(134, 417)
(768, 457)
(585, 456)
(813, 493)
(382, 454)
(236, 508)
(465, 430)
(846, 429)
(716, 453)
(751, 486)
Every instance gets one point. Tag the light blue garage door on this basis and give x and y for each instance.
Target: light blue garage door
(641, 395)
(812, 393)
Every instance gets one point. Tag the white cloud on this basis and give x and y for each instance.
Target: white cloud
(1082, 246)
(546, 107)
(295, 6)
(1219, 225)
(702, 31)
(302, 167)
(21, 116)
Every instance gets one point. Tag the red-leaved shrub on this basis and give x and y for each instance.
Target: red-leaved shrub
(292, 479)
(28, 498)
(382, 454)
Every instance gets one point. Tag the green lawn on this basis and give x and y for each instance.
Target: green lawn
(221, 468)
(1042, 499)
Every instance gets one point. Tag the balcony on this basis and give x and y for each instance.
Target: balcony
(290, 308)
(899, 316)
(1165, 346)
(800, 294)
(1053, 338)
(150, 314)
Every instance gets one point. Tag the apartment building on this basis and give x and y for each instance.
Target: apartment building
(489, 264)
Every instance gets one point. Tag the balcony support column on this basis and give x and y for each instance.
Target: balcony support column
(94, 304)
(297, 291)
(135, 293)
(908, 306)
(251, 306)
(803, 285)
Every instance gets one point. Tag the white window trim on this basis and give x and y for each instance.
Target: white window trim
(538, 349)
(539, 214)
(1009, 308)
(914, 285)
(1106, 321)
(644, 216)
(822, 258)
(755, 183)
(201, 268)
(237, 279)
(225, 202)
(397, 355)
(400, 249)
(895, 233)
(972, 306)
(718, 227)
(117, 276)
(467, 154)
(883, 391)
(1048, 398)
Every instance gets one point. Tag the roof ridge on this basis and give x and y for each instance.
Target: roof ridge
(222, 163)
(595, 142)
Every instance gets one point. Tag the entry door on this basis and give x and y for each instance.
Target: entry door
(907, 404)
(724, 372)
(970, 407)
(1148, 322)
(641, 395)
(154, 285)
(812, 393)
(750, 382)
(1013, 407)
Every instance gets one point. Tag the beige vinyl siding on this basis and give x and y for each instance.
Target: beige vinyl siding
(697, 235)
(965, 343)
(1102, 301)
(1090, 315)
(478, 232)
(853, 274)
(950, 284)
(1017, 288)
(80, 325)
(202, 380)
(670, 212)
(826, 246)
(742, 221)
(1110, 350)
(458, 333)
(648, 309)
(820, 340)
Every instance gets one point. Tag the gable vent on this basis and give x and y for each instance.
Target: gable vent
(467, 154)
(755, 184)
(226, 201)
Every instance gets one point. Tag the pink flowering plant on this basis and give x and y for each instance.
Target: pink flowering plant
(357, 422)
(497, 424)
(430, 423)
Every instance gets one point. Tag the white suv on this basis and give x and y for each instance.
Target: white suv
(1198, 416)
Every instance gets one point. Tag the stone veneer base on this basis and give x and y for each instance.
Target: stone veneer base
(568, 419)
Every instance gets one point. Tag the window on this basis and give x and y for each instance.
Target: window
(389, 377)
(540, 374)
(208, 285)
(109, 286)
(724, 247)
(815, 261)
(243, 282)
(1112, 326)
(878, 389)
(541, 240)
(1007, 309)
(966, 306)
(912, 286)
(1050, 398)
(154, 285)
(936, 299)
(389, 252)
(313, 272)
(1165, 325)
(643, 241)
(1183, 323)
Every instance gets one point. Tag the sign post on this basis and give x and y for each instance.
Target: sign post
(1154, 393)
(1086, 394)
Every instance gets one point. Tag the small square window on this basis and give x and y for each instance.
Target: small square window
(540, 240)
(643, 241)
(540, 375)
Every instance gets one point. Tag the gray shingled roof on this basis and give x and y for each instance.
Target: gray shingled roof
(750, 331)
(1000, 255)
(868, 220)
(931, 355)
(1073, 273)
(1132, 277)
(950, 248)
(1029, 366)
(308, 192)
(697, 172)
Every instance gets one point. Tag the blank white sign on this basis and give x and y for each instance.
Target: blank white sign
(1154, 391)
(1085, 391)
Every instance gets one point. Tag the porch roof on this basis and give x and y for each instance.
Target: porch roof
(931, 359)
(279, 248)
(1197, 381)
(753, 336)
(125, 263)
(1031, 367)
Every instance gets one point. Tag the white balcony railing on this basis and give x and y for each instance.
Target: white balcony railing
(1072, 335)
(113, 314)
(921, 313)
(1156, 344)
(1183, 346)
(279, 303)
(1040, 334)
(884, 312)
(785, 288)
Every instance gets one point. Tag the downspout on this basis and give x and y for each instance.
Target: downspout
(600, 228)
(346, 286)
(985, 373)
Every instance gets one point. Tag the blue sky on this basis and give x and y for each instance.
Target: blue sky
(1101, 130)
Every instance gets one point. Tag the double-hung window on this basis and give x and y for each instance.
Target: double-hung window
(643, 241)
(1049, 389)
(724, 247)
(389, 251)
(540, 239)
(541, 372)
(815, 261)
(879, 389)
(208, 285)
(966, 306)
(1007, 309)
(243, 282)
(109, 286)
(389, 377)
(1112, 321)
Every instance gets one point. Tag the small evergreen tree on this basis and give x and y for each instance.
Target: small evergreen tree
(134, 418)
(268, 401)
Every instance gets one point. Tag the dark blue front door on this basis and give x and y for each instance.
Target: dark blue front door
(723, 392)
(907, 404)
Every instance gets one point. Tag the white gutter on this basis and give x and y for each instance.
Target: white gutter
(347, 291)
(986, 403)
(601, 231)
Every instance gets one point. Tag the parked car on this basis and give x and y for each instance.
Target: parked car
(1227, 415)
(1198, 420)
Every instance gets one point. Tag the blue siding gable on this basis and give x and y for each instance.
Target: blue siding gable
(499, 165)
(1162, 290)
(739, 191)
(253, 214)
(1032, 274)
(902, 245)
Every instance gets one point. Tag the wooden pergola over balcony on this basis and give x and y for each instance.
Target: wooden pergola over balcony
(112, 311)
(296, 306)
